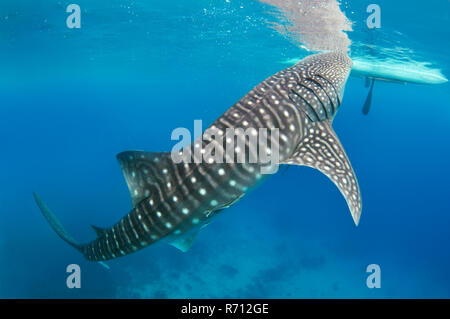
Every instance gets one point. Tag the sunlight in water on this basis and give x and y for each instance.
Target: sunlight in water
(316, 25)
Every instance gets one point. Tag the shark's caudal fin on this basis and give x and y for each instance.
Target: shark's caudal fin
(59, 229)
(54, 223)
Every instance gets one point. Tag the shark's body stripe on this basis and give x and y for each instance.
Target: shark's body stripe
(106, 248)
(140, 233)
(316, 90)
(119, 238)
(311, 100)
(321, 91)
(125, 233)
(309, 111)
(152, 223)
(328, 102)
(336, 93)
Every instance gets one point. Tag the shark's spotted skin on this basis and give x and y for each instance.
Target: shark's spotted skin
(173, 201)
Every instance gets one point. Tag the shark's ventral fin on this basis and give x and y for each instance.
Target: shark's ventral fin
(185, 242)
(322, 150)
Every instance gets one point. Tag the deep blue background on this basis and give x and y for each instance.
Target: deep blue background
(72, 99)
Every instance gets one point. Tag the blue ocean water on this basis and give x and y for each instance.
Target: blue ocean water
(71, 99)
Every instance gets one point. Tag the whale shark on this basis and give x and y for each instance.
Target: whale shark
(173, 200)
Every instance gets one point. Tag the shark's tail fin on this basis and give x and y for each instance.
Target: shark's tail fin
(58, 228)
(55, 224)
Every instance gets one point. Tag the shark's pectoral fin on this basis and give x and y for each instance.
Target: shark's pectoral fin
(368, 102)
(322, 150)
(185, 241)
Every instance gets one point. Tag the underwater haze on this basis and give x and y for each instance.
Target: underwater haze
(71, 99)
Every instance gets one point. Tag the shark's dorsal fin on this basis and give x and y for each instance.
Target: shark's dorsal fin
(98, 230)
(321, 149)
(144, 171)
